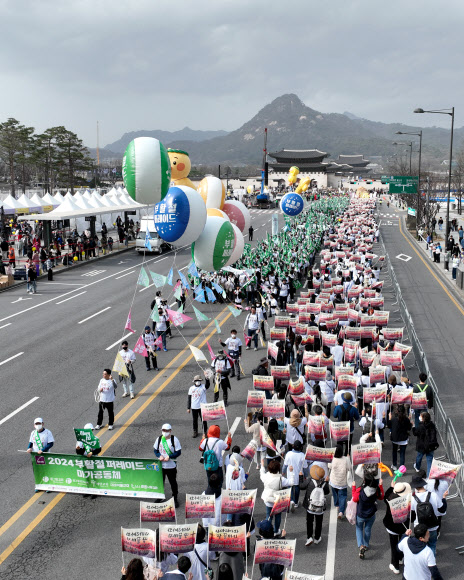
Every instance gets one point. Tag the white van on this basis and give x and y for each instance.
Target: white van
(157, 244)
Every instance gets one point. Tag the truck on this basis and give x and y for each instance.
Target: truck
(157, 244)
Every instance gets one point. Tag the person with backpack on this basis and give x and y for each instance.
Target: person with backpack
(315, 503)
(395, 531)
(419, 560)
(426, 442)
(422, 387)
(212, 447)
(199, 556)
(426, 507)
(167, 449)
(347, 412)
(366, 497)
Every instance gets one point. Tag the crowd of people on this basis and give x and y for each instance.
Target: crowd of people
(333, 318)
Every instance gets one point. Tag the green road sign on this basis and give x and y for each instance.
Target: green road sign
(411, 211)
(403, 183)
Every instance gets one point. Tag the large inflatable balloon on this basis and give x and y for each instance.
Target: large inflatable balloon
(238, 247)
(217, 212)
(215, 245)
(180, 167)
(250, 189)
(146, 170)
(181, 216)
(293, 174)
(238, 214)
(292, 204)
(212, 190)
(303, 185)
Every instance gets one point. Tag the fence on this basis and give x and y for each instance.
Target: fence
(453, 451)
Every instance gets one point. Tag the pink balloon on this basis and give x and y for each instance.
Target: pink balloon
(238, 214)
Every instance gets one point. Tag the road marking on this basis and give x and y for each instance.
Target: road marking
(65, 284)
(432, 272)
(404, 257)
(18, 410)
(127, 274)
(71, 297)
(20, 299)
(5, 325)
(96, 314)
(19, 539)
(11, 358)
(331, 543)
(119, 341)
(93, 273)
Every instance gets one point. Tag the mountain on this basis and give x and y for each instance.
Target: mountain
(166, 137)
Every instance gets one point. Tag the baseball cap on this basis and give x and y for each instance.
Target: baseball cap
(38, 420)
(166, 427)
(197, 378)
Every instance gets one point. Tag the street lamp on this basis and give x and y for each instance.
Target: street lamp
(419, 171)
(449, 112)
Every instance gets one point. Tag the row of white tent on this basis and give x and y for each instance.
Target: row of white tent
(67, 206)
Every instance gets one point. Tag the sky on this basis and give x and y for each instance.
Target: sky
(153, 64)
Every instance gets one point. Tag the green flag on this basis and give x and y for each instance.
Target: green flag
(235, 311)
(158, 279)
(200, 316)
(154, 314)
(218, 328)
(143, 280)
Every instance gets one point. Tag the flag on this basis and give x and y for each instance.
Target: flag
(140, 348)
(200, 316)
(155, 314)
(158, 279)
(178, 292)
(159, 342)
(197, 354)
(211, 351)
(184, 280)
(218, 288)
(192, 269)
(170, 275)
(128, 323)
(120, 366)
(177, 318)
(218, 328)
(235, 311)
(210, 294)
(147, 243)
(201, 296)
(143, 278)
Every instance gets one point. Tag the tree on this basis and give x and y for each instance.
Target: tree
(14, 145)
(73, 157)
(458, 177)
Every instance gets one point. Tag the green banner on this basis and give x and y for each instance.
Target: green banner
(87, 437)
(114, 476)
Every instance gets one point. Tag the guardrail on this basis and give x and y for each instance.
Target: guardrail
(453, 451)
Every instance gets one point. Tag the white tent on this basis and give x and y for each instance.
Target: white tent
(108, 202)
(24, 201)
(84, 203)
(11, 206)
(95, 201)
(46, 206)
(51, 200)
(68, 205)
(59, 197)
(87, 194)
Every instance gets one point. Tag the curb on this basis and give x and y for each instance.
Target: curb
(63, 269)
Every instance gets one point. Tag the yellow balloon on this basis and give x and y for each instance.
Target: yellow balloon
(217, 212)
(212, 191)
(250, 189)
(75, 258)
(293, 174)
(303, 185)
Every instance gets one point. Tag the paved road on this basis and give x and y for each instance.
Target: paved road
(73, 537)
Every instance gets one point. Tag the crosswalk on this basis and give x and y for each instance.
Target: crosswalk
(263, 210)
(93, 273)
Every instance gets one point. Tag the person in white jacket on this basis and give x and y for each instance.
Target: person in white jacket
(273, 481)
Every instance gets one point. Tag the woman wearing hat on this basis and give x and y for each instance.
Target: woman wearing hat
(314, 502)
(395, 531)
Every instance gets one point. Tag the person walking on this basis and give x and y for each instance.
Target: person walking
(41, 439)
(149, 339)
(455, 264)
(234, 350)
(294, 459)
(347, 412)
(128, 356)
(221, 368)
(167, 449)
(212, 443)
(250, 233)
(395, 531)
(31, 280)
(422, 387)
(366, 497)
(314, 502)
(400, 426)
(251, 327)
(426, 508)
(106, 391)
(197, 396)
(273, 481)
(340, 468)
(161, 327)
(419, 559)
(426, 442)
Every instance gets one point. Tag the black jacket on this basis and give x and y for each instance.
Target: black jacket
(420, 433)
(309, 485)
(428, 393)
(399, 431)
(388, 520)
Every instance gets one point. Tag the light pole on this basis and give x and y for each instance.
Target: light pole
(449, 112)
(419, 171)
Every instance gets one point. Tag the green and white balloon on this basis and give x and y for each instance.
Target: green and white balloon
(215, 245)
(146, 170)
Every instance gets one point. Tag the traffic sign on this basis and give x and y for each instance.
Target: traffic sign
(411, 211)
(403, 183)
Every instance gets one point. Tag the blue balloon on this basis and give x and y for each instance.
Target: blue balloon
(181, 216)
(292, 204)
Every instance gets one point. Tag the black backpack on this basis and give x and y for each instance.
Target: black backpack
(424, 512)
(431, 442)
(345, 413)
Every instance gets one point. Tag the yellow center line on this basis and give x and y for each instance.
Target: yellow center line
(453, 300)
(19, 539)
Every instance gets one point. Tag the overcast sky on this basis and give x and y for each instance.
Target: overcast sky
(154, 64)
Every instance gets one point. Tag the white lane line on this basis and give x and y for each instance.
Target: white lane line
(71, 297)
(5, 325)
(173, 304)
(11, 358)
(331, 544)
(119, 341)
(127, 274)
(96, 314)
(71, 291)
(65, 284)
(18, 410)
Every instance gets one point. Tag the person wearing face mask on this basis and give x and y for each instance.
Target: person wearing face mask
(197, 396)
(41, 439)
(167, 449)
(128, 356)
(234, 348)
(251, 327)
(262, 316)
(107, 395)
(221, 368)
